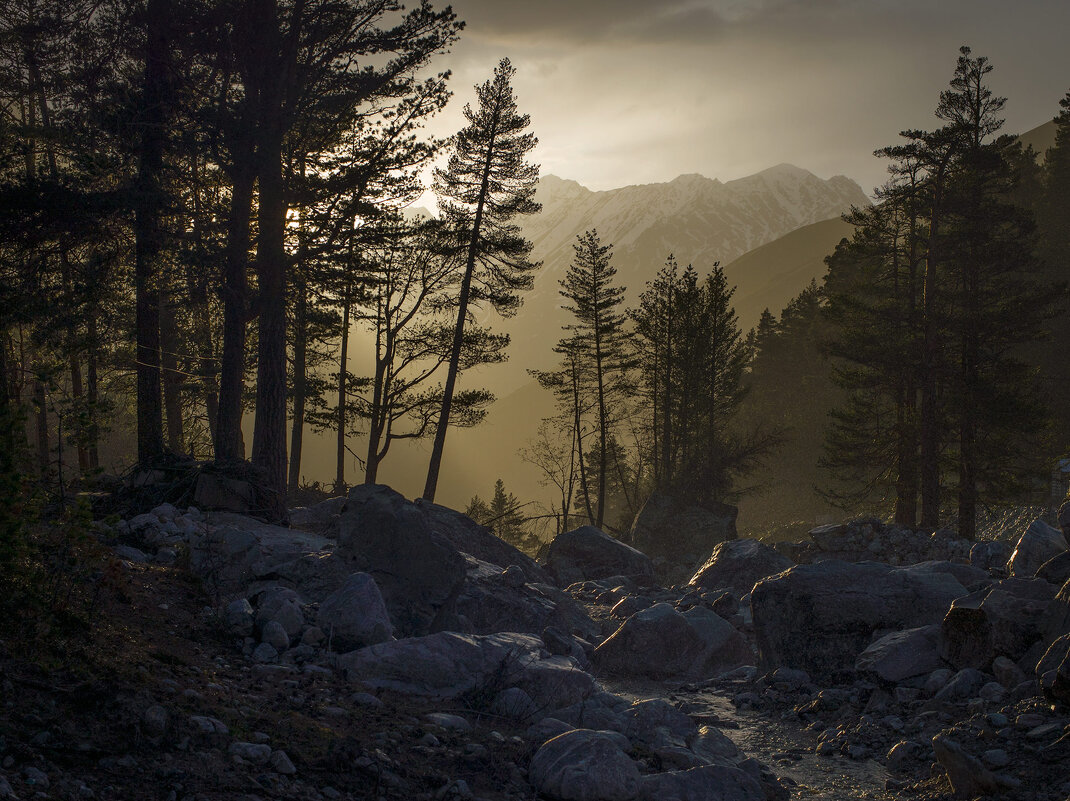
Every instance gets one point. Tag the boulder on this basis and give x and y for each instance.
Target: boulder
(584, 765)
(449, 666)
(820, 617)
(1037, 545)
(588, 553)
(419, 572)
(355, 615)
(737, 565)
(681, 535)
(1053, 670)
(1056, 570)
(478, 541)
(707, 783)
(903, 655)
(283, 606)
(491, 601)
(661, 642)
(1003, 620)
(1056, 619)
(969, 778)
(320, 518)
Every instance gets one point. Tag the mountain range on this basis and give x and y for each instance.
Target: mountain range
(697, 219)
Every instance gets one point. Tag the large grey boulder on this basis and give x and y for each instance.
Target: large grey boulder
(584, 765)
(1037, 545)
(589, 554)
(679, 536)
(820, 617)
(1002, 620)
(448, 666)
(493, 599)
(903, 655)
(478, 541)
(355, 615)
(737, 565)
(283, 606)
(660, 642)
(320, 518)
(419, 572)
(707, 783)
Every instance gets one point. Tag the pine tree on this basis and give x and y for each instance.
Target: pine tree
(597, 340)
(486, 184)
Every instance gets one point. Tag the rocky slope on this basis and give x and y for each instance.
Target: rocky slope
(388, 649)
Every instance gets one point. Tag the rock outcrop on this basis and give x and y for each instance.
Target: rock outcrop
(737, 564)
(819, 618)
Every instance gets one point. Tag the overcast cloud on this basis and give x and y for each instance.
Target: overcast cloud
(638, 91)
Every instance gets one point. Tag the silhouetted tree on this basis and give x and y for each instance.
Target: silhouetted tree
(486, 184)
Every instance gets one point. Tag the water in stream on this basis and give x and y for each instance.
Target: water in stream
(785, 746)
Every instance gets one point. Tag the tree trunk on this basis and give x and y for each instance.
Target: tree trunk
(172, 378)
(148, 233)
(462, 314)
(228, 433)
(930, 428)
(269, 430)
(340, 409)
(300, 378)
(92, 392)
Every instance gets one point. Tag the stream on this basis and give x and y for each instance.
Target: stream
(784, 745)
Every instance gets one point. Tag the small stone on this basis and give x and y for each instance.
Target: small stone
(155, 720)
(313, 636)
(366, 699)
(275, 635)
(256, 753)
(996, 758)
(35, 777)
(265, 654)
(448, 721)
(280, 763)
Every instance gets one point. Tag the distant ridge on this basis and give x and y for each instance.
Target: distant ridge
(700, 220)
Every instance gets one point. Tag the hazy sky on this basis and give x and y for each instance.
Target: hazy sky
(638, 91)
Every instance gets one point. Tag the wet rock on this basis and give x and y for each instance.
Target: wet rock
(584, 765)
(820, 617)
(660, 642)
(587, 553)
(355, 615)
(737, 565)
(903, 655)
(1037, 545)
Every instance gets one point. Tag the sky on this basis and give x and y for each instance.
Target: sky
(639, 91)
